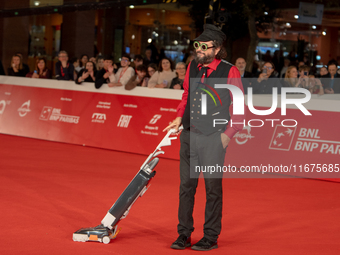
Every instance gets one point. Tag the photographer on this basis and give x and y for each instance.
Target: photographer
(266, 80)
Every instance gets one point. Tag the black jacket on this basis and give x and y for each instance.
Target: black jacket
(328, 83)
(88, 79)
(265, 86)
(20, 73)
(64, 73)
(100, 80)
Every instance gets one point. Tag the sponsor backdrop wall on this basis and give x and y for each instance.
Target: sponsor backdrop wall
(133, 121)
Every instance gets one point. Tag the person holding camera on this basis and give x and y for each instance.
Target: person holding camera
(266, 80)
(163, 77)
(303, 77)
(88, 74)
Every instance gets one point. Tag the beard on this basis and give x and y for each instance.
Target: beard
(205, 59)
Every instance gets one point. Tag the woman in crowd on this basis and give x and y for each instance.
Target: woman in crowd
(163, 77)
(16, 68)
(291, 77)
(82, 62)
(177, 83)
(40, 71)
(88, 74)
(323, 71)
(314, 85)
(152, 68)
(266, 80)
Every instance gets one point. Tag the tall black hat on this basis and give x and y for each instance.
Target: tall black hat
(211, 33)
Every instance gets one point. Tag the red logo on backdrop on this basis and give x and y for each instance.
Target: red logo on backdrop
(282, 138)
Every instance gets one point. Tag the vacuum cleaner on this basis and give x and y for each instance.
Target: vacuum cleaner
(108, 230)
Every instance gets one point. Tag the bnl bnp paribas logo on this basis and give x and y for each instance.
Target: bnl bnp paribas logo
(239, 102)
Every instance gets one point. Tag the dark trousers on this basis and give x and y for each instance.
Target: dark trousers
(200, 150)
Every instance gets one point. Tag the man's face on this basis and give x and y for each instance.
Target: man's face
(148, 53)
(63, 57)
(269, 67)
(100, 63)
(141, 74)
(303, 73)
(205, 57)
(107, 63)
(332, 69)
(138, 62)
(240, 64)
(125, 62)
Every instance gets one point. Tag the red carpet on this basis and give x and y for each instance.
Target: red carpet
(49, 190)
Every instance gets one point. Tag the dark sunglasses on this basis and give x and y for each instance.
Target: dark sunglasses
(203, 46)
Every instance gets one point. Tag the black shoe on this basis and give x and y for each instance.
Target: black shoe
(205, 245)
(181, 243)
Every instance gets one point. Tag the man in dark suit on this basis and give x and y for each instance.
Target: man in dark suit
(329, 81)
(245, 75)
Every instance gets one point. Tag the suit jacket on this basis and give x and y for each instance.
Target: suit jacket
(328, 82)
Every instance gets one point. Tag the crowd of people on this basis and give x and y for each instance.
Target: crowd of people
(154, 71)
(291, 74)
